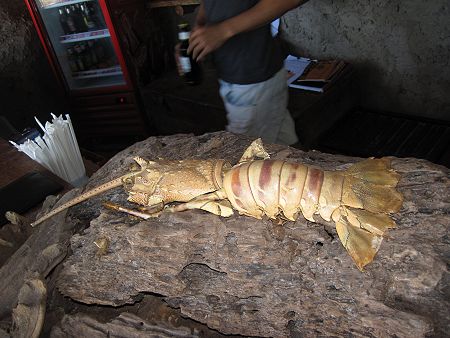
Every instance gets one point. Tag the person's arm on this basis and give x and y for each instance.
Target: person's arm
(200, 19)
(206, 39)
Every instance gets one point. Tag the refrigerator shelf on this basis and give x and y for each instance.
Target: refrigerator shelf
(96, 73)
(91, 35)
(49, 4)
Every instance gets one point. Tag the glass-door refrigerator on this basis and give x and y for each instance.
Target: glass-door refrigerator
(82, 46)
(81, 43)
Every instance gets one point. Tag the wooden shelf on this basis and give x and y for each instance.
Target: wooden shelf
(171, 3)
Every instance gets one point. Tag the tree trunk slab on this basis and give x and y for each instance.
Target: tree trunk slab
(240, 275)
(125, 325)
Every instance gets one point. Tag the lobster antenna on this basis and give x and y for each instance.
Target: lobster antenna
(91, 193)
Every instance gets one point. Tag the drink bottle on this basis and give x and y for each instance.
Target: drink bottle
(70, 21)
(90, 24)
(63, 21)
(72, 60)
(80, 24)
(86, 55)
(191, 69)
(100, 53)
(91, 48)
(79, 57)
(94, 10)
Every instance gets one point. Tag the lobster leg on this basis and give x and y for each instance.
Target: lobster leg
(256, 149)
(149, 212)
(214, 202)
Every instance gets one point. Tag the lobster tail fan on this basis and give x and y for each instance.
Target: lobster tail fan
(370, 185)
(361, 245)
(368, 196)
(373, 197)
(361, 232)
(375, 170)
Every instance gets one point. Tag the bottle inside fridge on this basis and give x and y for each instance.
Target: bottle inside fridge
(82, 43)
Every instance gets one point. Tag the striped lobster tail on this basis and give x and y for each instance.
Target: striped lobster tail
(358, 200)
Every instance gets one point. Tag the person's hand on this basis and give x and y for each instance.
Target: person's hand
(206, 39)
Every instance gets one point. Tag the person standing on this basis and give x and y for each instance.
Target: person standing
(250, 64)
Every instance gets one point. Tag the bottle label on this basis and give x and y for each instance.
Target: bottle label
(184, 35)
(185, 64)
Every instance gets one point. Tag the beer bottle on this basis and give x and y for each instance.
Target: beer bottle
(79, 58)
(100, 53)
(90, 24)
(63, 21)
(72, 60)
(91, 48)
(93, 10)
(70, 21)
(190, 67)
(80, 24)
(86, 55)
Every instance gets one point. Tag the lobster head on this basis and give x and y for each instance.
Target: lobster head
(142, 180)
(164, 181)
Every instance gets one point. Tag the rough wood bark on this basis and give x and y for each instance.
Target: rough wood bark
(125, 325)
(32, 257)
(243, 276)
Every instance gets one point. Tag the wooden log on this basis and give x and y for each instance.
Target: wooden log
(245, 276)
(44, 249)
(125, 325)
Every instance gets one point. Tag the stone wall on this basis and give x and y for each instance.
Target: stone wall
(27, 85)
(401, 49)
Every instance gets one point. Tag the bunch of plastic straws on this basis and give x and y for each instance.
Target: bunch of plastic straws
(57, 150)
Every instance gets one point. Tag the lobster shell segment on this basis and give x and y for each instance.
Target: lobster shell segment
(330, 194)
(272, 188)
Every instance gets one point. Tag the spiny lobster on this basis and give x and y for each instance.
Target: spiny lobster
(358, 199)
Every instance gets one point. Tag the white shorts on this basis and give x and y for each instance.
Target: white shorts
(260, 109)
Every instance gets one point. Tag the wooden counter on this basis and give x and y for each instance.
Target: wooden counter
(15, 164)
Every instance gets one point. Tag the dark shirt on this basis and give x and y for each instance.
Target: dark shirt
(249, 57)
